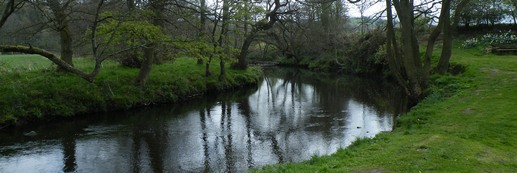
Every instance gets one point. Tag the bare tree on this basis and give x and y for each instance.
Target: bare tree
(10, 7)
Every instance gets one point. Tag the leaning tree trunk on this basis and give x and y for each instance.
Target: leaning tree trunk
(273, 17)
(243, 62)
(60, 63)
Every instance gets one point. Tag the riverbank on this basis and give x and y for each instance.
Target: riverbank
(38, 93)
(468, 124)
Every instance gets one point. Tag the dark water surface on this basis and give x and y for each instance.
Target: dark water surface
(291, 116)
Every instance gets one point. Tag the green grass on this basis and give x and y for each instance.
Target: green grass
(467, 124)
(40, 94)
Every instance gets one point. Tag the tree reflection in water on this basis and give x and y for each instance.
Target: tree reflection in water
(291, 116)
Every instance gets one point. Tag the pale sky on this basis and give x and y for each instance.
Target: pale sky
(353, 10)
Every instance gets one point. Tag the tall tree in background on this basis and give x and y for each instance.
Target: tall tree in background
(157, 7)
(61, 11)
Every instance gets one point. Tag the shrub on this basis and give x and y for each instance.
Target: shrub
(507, 37)
(470, 43)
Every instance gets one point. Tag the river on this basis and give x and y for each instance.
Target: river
(291, 116)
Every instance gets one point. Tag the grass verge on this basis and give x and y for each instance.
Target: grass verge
(42, 94)
(467, 124)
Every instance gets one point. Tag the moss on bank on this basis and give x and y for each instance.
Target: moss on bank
(467, 124)
(29, 95)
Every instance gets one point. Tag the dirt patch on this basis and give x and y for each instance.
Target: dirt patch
(369, 171)
(468, 111)
(477, 92)
(492, 72)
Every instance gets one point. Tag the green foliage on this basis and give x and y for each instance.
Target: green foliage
(201, 49)
(366, 56)
(37, 94)
(131, 34)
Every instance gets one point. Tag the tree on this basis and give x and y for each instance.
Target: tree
(448, 25)
(60, 11)
(405, 62)
(158, 8)
(10, 7)
(266, 23)
(99, 56)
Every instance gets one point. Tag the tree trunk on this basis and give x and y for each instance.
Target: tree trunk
(202, 27)
(222, 74)
(392, 49)
(66, 45)
(443, 64)
(61, 21)
(158, 7)
(207, 68)
(431, 41)
(223, 38)
(145, 69)
(242, 60)
(410, 49)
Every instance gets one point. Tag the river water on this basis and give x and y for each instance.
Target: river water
(291, 116)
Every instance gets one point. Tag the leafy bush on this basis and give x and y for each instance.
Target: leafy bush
(367, 55)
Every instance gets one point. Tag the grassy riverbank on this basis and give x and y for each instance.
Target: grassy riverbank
(31, 90)
(468, 124)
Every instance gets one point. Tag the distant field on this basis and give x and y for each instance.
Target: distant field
(24, 63)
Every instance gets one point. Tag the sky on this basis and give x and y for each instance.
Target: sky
(353, 10)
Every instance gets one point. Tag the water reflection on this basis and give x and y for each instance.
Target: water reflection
(291, 116)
